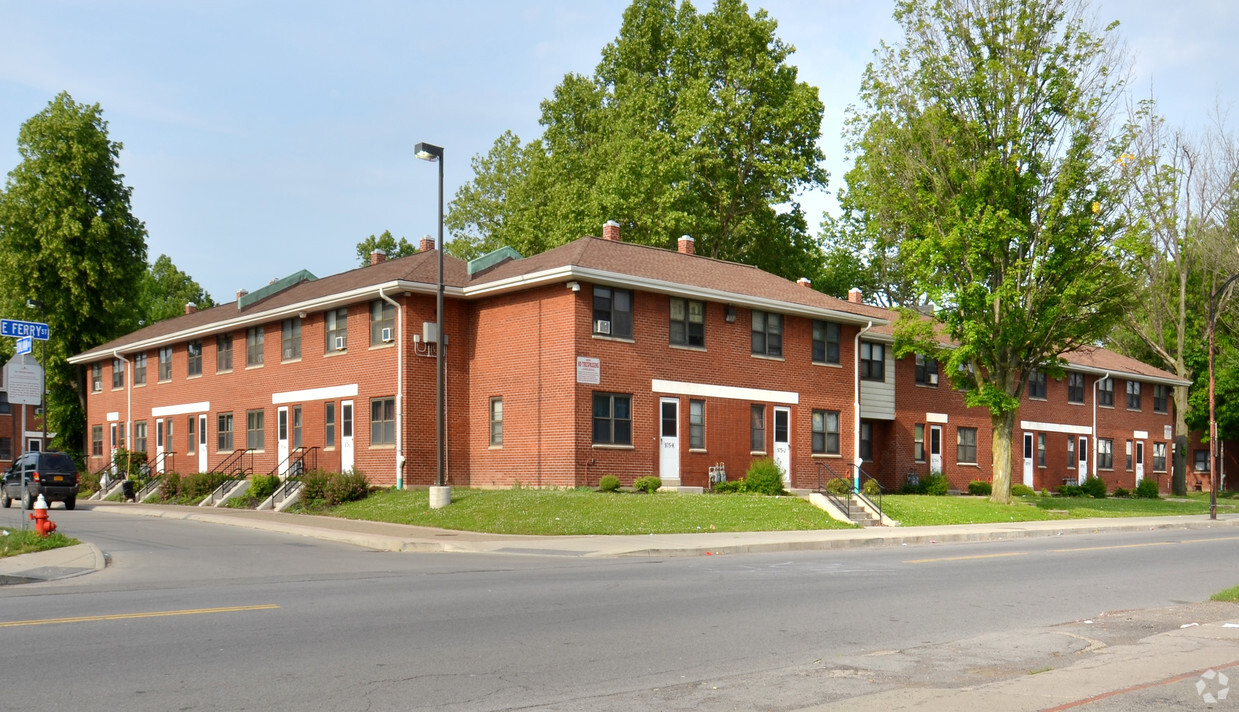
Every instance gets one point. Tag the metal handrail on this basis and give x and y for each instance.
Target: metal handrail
(844, 504)
(866, 477)
(234, 464)
(296, 461)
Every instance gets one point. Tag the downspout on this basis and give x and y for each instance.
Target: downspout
(128, 396)
(399, 387)
(1096, 391)
(856, 405)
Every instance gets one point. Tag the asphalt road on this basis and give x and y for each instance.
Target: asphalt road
(191, 616)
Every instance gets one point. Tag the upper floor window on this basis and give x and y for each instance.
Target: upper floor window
(1105, 392)
(223, 353)
(290, 341)
(194, 351)
(926, 371)
(1159, 399)
(688, 322)
(767, 334)
(139, 369)
(96, 377)
(118, 373)
(1133, 395)
(872, 361)
(254, 346)
(1036, 385)
(165, 363)
(337, 330)
(382, 322)
(1075, 387)
(826, 337)
(613, 312)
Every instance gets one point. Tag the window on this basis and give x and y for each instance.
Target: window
(1040, 449)
(826, 338)
(1105, 454)
(866, 441)
(118, 373)
(767, 334)
(6, 408)
(1201, 461)
(329, 424)
(926, 371)
(918, 443)
(139, 370)
(382, 318)
(139, 436)
(192, 424)
(1159, 399)
(253, 346)
(346, 419)
(223, 353)
(96, 440)
(1036, 385)
(697, 425)
(496, 422)
(1105, 392)
(382, 421)
(1071, 452)
(1128, 454)
(966, 448)
(688, 322)
(825, 432)
(6, 448)
(612, 418)
(872, 361)
(165, 363)
(223, 428)
(337, 330)
(194, 351)
(757, 428)
(613, 312)
(1075, 387)
(291, 342)
(1159, 457)
(255, 432)
(296, 426)
(1133, 395)
(96, 377)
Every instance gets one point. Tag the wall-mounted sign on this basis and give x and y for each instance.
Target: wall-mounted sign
(588, 370)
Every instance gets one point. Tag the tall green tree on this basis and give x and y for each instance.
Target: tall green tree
(389, 245)
(165, 290)
(69, 239)
(982, 146)
(692, 124)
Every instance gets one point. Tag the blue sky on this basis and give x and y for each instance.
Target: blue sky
(266, 137)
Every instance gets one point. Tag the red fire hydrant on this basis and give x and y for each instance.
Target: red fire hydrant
(42, 524)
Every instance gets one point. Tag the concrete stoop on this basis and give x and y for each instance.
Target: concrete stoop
(288, 500)
(225, 492)
(863, 514)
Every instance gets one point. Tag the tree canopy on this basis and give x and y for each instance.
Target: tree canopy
(387, 243)
(165, 290)
(69, 240)
(984, 162)
(691, 124)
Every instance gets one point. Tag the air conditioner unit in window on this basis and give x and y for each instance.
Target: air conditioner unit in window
(339, 343)
(288, 353)
(387, 337)
(602, 326)
(933, 379)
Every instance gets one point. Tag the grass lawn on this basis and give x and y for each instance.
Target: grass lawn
(19, 542)
(577, 512)
(921, 510)
(1231, 594)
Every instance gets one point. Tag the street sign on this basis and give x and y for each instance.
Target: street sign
(24, 379)
(24, 345)
(16, 329)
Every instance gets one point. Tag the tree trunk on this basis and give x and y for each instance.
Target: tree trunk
(1178, 475)
(1004, 429)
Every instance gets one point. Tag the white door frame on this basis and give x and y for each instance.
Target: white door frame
(783, 443)
(1139, 461)
(935, 449)
(346, 435)
(1082, 457)
(1029, 450)
(281, 438)
(669, 441)
(159, 445)
(114, 445)
(202, 443)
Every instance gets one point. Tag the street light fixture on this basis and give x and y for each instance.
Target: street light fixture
(440, 494)
(1213, 298)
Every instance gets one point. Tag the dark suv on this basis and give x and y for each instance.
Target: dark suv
(51, 474)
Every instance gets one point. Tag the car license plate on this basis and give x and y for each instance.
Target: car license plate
(58, 478)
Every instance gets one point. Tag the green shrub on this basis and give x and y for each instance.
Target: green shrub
(332, 488)
(1147, 489)
(608, 483)
(871, 488)
(764, 477)
(1095, 487)
(648, 484)
(729, 486)
(839, 486)
(1071, 491)
(910, 487)
(1045, 492)
(1120, 492)
(263, 486)
(977, 488)
(88, 484)
(937, 485)
(169, 487)
(198, 485)
(1022, 490)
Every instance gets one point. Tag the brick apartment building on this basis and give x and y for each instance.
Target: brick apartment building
(597, 357)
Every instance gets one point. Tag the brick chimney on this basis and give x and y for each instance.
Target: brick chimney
(427, 244)
(190, 307)
(856, 296)
(378, 256)
(804, 282)
(686, 245)
(610, 231)
(242, 293)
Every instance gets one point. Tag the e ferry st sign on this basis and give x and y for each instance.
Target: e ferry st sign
(17, 329)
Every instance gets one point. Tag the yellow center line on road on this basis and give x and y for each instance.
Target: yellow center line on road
(966, 558)
(149, 614)
(1116, 546)
(1206, 541)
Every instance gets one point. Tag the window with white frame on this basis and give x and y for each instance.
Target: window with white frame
(496, 422)
(255, 429)
(193, 361)
(1133, 395)
(336, 322)
(757, 428)
(254, 337)
(139, 369)
(383, 421)
(1201, 461)
(290, 339)
(382, 322)
(165, 363)
(767, 334)
(1159, 457)
(688, 322)
(1040, 449)
(697, 425)
(826, 432)
(139, 436)
(96, 377)
(966, 445)
(118, 373)
(1105, 454)
(918, 442)
(223, 353)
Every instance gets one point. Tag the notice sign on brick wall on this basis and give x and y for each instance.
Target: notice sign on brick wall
(588, 370)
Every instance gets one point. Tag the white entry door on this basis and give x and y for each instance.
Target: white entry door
(783, 443)
(281, 441)
(346, 436)
(1082, 453)
(1139, 461)
(159, 445)
(202, 443)
(1028, 459)
(935, 449)
(112, 453)
(669, 441)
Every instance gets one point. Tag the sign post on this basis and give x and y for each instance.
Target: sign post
(25, 380)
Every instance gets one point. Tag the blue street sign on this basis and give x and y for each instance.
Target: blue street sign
(16, 329)
(24, 345)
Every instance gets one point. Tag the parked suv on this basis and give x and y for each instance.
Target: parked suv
(51, 474)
